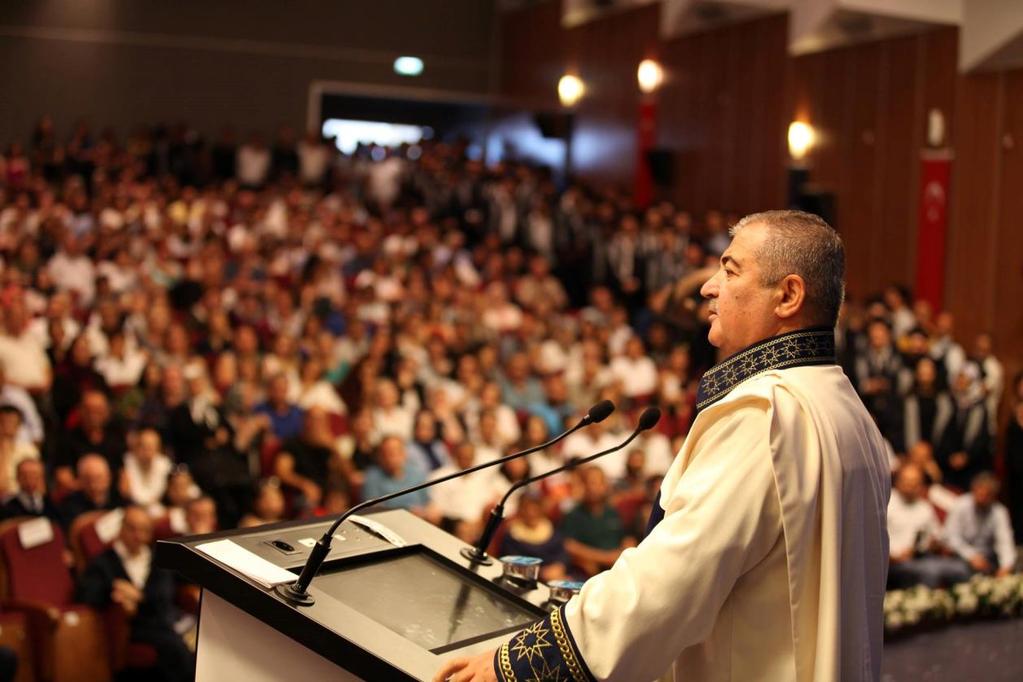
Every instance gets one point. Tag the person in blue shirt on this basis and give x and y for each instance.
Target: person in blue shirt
(393, 472)
(286, 418)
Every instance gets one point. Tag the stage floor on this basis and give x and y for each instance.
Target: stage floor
(991, 651)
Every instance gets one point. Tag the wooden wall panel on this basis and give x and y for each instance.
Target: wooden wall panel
(869, 104)
(899, 139)
(1007, 263)
(970, 282)
(536, 51)
(723, 112)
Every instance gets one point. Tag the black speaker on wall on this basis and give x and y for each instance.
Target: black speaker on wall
(555, 125)
(661, 162)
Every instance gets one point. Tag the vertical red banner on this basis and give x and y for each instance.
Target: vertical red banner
(646, 137)
(935, 180)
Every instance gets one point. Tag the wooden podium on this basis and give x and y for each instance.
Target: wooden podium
(382, 611)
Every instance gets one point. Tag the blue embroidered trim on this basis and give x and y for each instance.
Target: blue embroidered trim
(812, 346)
(543, 652)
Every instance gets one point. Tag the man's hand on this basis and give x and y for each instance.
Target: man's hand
(312, 493)
(901, 557)
(126, 595)
(980, 564)
(477, 669)
(1002, 572)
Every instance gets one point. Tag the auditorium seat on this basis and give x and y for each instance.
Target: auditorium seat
(68, 639)
(15, 636)
(127, 657)
(86, 540)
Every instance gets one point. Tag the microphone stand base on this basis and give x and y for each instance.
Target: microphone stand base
(289, 594)
(475, 556)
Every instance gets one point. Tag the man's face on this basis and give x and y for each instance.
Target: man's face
(910, 483)
(30, 477)
(392, 455)
(983, 495)
(95, 410)
(201, 516)
(742, 308)
(136, 530)
(94, 476)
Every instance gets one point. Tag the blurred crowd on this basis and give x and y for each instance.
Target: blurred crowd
(227, 333)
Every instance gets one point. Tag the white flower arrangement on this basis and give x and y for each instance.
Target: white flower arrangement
(980, 597)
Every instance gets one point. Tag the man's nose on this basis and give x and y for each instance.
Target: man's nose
(710, 287)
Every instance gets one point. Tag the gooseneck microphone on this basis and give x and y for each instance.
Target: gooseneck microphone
(297, 593)
(478, 554)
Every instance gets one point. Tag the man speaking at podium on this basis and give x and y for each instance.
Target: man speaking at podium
(768, 554)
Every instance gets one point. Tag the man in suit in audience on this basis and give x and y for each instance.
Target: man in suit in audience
(124, 575)
(96, 492)
(31, 499)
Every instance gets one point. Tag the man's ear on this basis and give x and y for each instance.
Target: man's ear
(792, 296)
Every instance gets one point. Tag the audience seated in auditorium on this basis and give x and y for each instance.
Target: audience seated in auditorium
(915, 534)
(145, 287)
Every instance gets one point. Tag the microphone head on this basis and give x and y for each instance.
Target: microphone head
(601, 411)
(649, 418)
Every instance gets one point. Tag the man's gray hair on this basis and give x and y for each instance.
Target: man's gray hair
(802, 244)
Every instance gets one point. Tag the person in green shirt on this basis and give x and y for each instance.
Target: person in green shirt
(593, 529)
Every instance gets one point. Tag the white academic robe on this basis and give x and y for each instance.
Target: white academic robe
(770, 562)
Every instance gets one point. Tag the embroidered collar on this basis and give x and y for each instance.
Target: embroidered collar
(810, 346)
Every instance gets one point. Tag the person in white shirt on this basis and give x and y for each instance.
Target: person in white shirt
(979, 531)
(24, 361)
(390, 418)
(31, 430)
(597, 438)
(636, 372)
(121, 365)
(253, 162)
(147, 469)
(58, 310)
(914, 534)
(313, 159)
(73, 271)
(12, 451)
(464, 501)
(994, 377)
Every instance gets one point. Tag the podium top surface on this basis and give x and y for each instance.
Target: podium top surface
(381, 611)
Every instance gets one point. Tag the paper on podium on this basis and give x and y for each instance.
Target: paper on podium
(247, 563)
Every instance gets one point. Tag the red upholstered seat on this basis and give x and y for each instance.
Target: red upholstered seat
(86, 543)
(14, 635)
(38, 574)
(68, 639)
